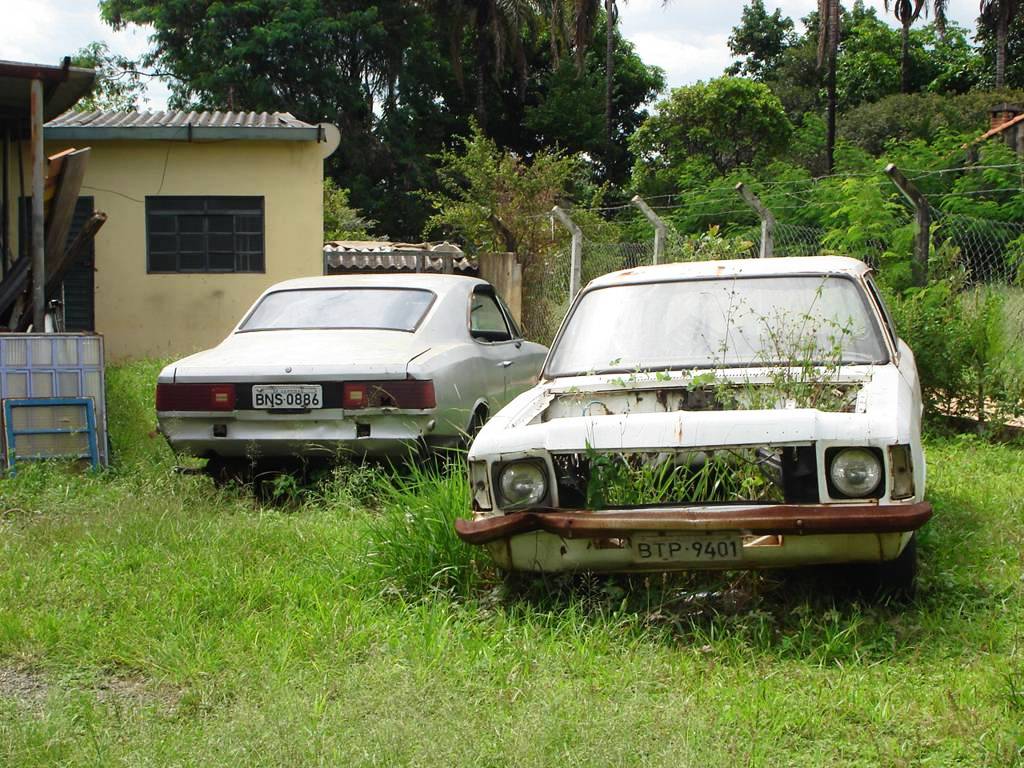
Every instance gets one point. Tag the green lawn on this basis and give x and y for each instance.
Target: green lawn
(148, 619)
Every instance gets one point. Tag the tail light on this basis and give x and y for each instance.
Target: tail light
(410, 394)
(195, 397)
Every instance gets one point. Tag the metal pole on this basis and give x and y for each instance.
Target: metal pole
(38, 228)
(659, 227)
(922, 223)
(767, 220)
(576, 254)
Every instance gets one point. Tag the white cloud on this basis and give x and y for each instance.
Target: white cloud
(689, 38)
(45, 31)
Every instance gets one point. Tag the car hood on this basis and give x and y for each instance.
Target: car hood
(294, 355)
(879, 409)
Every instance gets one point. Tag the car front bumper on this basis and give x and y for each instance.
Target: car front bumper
(327, 435)
(772, 535)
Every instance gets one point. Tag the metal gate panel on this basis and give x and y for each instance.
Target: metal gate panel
(40, 365)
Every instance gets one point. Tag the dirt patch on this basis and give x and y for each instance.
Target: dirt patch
(30, 688)
(26, 687)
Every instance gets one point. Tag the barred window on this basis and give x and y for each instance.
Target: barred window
(204, 234)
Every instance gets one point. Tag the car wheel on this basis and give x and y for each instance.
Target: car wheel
(894, 579)
(475, 425)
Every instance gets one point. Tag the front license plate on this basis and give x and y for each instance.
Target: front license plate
(712, 548)
(274, 396)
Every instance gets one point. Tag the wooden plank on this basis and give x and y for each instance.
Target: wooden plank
(62, 207)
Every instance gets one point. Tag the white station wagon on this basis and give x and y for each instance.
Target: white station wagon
(362, 364)
(733, 414)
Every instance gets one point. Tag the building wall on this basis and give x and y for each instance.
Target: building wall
(169, 315)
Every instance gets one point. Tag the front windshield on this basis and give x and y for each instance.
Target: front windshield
(722, 322)
(394, 309)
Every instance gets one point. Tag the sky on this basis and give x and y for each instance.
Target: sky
(686, 38)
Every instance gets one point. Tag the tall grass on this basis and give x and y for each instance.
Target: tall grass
(148, 618)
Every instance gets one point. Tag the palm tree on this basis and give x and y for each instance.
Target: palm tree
(828, 49)
(939, 7)
(998, 14)
(498, 27)
(906, 12)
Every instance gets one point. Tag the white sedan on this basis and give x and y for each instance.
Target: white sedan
(362, 364)
(734, 414)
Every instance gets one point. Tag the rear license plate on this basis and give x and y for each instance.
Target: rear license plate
(274, 396)
(711, 548)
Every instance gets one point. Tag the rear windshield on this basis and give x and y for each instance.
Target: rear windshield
(391, 309)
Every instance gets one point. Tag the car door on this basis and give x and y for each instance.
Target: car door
(490, 330)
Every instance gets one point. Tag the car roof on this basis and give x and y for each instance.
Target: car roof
(785, 265)
(439, 284)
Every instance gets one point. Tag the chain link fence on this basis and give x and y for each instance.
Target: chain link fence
(985, 250)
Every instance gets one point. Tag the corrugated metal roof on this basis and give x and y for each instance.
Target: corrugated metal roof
(176, 119)
(383, 256)
(181, 125)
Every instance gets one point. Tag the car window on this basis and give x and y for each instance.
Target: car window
(393, 309)
(516, 332)
(486, 320)
(722, 322)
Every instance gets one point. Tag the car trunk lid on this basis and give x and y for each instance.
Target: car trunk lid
(308, 355)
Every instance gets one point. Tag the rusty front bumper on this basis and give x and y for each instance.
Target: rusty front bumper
(776, 519)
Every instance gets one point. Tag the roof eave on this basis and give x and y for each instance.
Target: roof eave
(179, 133)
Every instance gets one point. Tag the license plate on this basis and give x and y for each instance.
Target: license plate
(274, 396)
(711, 548)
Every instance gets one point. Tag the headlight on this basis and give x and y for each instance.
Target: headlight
(522, 484)
(855, 472)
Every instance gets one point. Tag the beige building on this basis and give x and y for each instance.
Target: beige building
(205, 210)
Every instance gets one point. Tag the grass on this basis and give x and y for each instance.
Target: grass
(147, 618)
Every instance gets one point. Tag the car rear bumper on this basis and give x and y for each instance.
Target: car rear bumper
(326, 435)
(772, 536)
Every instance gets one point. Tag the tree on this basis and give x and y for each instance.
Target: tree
(828, 49)
(906, 12)
(761, 39)
(568, 109)
(722, 125)
(341, 220)
(997, 15)
(118, 84)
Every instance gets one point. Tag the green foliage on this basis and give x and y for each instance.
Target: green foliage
(118, 83)
(341, 220)
(726, 123)
(966, 347)
(925, 116)
(495, 199)
(696, 477)
(760, 38)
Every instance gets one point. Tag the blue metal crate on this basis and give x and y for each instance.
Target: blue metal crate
(55, 365)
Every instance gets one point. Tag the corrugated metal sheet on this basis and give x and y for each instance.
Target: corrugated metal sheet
(381, 256)
(181, 126)
(178, 119)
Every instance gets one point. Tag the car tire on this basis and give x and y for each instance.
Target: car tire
(891, 579)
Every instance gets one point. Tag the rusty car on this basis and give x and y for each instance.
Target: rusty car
(742, 414)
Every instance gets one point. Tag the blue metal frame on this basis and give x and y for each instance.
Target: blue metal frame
(39, 402)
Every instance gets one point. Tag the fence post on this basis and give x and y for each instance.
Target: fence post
(767, 220)
(504, 272)
(922, 222)
(659, 227)
(576, 261)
